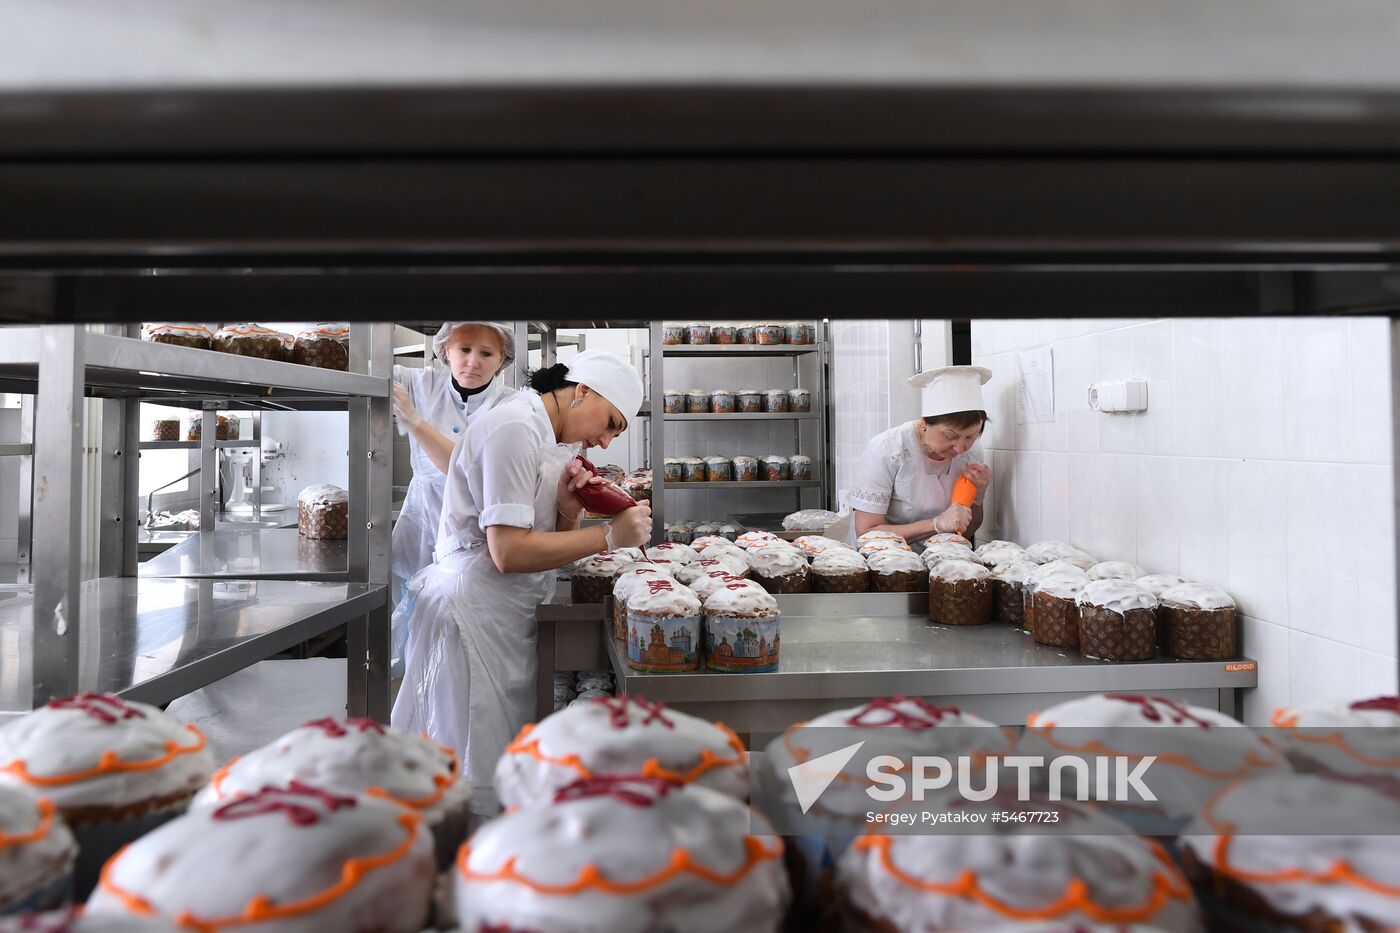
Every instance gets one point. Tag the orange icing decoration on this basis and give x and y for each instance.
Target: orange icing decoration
(590, 877)
(1167, 884)
(650, 769)
(1095, 747)
(440, 781)
(46, 809)
(108, 763)
(1286, 719)
(260, 908)
(1339, 872)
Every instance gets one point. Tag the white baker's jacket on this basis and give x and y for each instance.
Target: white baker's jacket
(896, 480)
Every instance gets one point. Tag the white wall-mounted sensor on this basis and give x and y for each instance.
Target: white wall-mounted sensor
(1118, 395)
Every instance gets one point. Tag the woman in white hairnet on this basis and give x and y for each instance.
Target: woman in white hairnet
(510, 517)
(434, 406)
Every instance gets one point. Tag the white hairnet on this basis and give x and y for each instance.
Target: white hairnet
(506, 331)
(610, 376)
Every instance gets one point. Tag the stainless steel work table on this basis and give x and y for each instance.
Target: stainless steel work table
(841, 649)
(157, 639)
(252, 551)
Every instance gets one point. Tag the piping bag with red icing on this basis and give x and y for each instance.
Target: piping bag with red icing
(603, 498)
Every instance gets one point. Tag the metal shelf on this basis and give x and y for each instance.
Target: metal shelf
(194, 445)
(251, 552)
(124, 367)
(154, 640)
(757, 484)
(747, 416)
(16, 450)
(739, 349)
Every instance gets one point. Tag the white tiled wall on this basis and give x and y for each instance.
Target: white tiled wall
(1262, 465)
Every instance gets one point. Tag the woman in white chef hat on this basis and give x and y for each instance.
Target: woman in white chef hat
(906, 475)
(435, 406)
(510, 517)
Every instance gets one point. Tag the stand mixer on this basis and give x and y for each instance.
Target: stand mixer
(240, 498)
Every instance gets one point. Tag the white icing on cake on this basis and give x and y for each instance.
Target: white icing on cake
(634, 579)
(660, 563)
(1022, 867)
(244, 331)
(1056, 571)
(664, 598)
(1159, 583)
(603, 839)
(992, 557)
(598, 565)
(749, 538)
(812, 545)
(349, 757)
(838, 563)
(726, 550)
(705, 541)
(627, 555)
(776, 562)
(948, 537)
(712, 581)
(895, 561)
(996, 545)
(55, 741)
(689, 573)
(1343, 737)
(953, 570)
(1313, 808)
(1046, 551)
(1197, 596)
(675, 553)
(1115, 570)
(337, 332)
(883, 544)
(36, 848)
(748, 600)
(1116, 594)
(184, 866)
(176, 329)
(1060, 586)
(941, 552)
(619, 735)
(1220, 749)
(322, 495)
(1017, 571)
(879, 535)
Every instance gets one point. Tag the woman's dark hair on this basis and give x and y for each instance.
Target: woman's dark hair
(551, 378)
(961, 420)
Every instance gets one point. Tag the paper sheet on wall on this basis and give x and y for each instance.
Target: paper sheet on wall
(1035, 391)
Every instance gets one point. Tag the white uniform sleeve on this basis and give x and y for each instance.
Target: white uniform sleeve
(510, 469)
(874, 479)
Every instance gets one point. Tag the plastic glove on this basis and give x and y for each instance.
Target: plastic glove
(953, 520)
(575, 475)
(632, 528)
(403, 408)
(981, 476)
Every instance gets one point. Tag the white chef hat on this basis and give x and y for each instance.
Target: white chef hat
(610, 376)
(948, 389)
(505, 330)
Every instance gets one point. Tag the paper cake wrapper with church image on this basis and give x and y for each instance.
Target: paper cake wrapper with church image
(742, 645)
(663, 644)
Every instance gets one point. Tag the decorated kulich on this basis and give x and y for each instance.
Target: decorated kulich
(897, 572)
(591, 579)
(875, 546)
(935, 553)
(710, 540)
(743, 629)
(288, 858)
(1201, 623)
(1299, 852)
(36, 852)
(357, 756)
(323, 512)
(624, 854)
(675, 553)
(880, 535)
(326, 346)
(632, 579)
(114, 768)
(254, 340)
(1117, 621)
(1085, 867)
(726, 549)
(749, 538)
(840, 571)
(959, 593)
(73, 920)
(948, 537)
(1115, 570)
(1008, 591)
(1157, 584)
(813, 545)
(1357, 738)
(620, 735)
(704, 566)
(1051, 612)
(1043, 552)
(195, 336)
(663, 628)
(707, 585)
(780, 569)
(998, 551)
(1198, 751)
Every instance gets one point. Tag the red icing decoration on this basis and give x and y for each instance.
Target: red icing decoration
(630, 789)
(659, 586)
(335, 730)
(100, 706)
(44, 923)
(899, 717)
(617, 711)
(1148, 707)
(1388, 704)
(272, 800)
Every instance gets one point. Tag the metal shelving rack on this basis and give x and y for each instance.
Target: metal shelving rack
(158, 638)
(815, 380)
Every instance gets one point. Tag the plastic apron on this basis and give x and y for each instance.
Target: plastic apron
(470, 676)
(415, 531)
